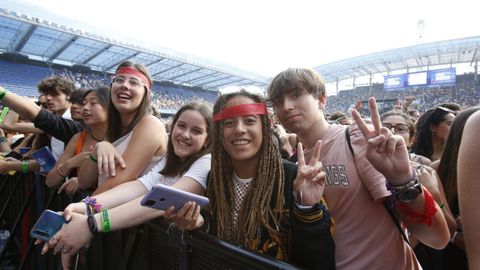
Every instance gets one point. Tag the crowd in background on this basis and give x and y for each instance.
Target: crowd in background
(288, 210)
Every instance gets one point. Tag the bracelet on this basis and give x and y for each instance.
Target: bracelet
(421, 218)
(92, 158)
(92, 225)
(452, 240)
(60, 171)
(105, 220)
(3, 139)
(3, 92)
(24, 167)
(92, 205)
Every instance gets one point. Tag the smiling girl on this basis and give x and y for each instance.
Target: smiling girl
(257, 200)
(185, 166)
(135, 139)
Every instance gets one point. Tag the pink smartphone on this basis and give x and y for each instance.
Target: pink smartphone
(163, 197)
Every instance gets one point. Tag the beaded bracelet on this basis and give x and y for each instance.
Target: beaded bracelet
(92, 205)
(105, 220)
(24, 167)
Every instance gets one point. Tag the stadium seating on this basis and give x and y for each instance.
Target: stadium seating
(168, 97)
(463, 93)
(22, 78)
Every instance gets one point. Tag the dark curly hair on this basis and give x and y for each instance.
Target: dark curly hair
(54, 85)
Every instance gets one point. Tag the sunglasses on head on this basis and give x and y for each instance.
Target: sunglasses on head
(440, 108)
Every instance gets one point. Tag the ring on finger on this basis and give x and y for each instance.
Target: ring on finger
(67, 250)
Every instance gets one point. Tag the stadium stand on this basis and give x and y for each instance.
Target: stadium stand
(22, 78)
(464, 93)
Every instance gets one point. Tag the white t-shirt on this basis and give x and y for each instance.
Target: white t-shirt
(57, 145)
(198, 171)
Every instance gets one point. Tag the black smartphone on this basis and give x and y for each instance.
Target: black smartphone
(14, 155)
(47, 225)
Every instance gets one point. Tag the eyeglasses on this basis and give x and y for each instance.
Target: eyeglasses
(134, 83)
(398, 128)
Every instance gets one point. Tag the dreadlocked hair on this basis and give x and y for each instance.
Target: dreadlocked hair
(258, 208)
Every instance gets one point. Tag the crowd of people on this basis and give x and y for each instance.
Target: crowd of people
(465, 94)
(319, 190)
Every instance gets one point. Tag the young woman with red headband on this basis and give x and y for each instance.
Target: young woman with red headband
(135, 139)
(257, 200)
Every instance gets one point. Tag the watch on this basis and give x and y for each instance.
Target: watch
(92, 225)
(409, 191)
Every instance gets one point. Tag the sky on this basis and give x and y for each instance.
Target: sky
(264, 36)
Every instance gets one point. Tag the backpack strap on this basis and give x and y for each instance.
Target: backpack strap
(347, 136)
(390, 211)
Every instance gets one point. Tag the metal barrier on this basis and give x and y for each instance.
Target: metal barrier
(22, 198)
(171, 248)
(154, 245)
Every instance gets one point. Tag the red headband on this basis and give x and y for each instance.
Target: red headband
(241, 110)
(134, 72)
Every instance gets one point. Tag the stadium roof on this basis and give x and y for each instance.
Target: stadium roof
(463, 50)
(54, 43)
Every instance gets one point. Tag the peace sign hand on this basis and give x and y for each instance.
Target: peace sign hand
(386, 152)
(310, 181)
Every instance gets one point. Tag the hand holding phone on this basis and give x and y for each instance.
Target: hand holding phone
(47, 225)
(163, 197)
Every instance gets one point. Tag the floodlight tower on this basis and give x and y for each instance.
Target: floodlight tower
(420, 31)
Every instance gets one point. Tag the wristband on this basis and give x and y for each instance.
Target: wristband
(105, 220)
(92, 158)
(92, 225)
(3, 92)
(24, 167)
(425, 217)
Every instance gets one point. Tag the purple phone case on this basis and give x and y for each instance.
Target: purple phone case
(163, 197)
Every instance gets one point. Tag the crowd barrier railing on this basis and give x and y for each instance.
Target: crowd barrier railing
(154, 245)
